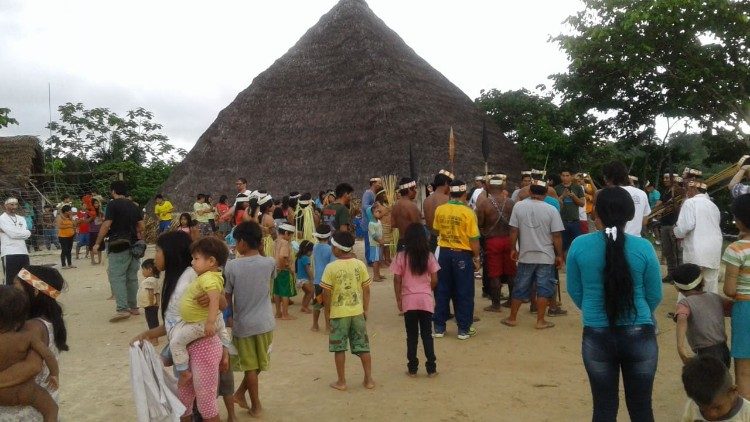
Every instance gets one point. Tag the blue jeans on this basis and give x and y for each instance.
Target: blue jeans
(540, 275)
(572, 230)
(455, 282)
(632, 349)
(164, 226)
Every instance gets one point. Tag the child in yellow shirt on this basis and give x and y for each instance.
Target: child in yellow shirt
(209, 253)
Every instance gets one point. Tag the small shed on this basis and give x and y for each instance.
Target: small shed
(20, 157)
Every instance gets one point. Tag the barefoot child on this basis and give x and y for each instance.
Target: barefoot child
(346, 291)
(283, 287)
(322, 256)
(247, 292)
(375, 232)
(305, 274)
(699, 316)
(737, 286)
(149, 293)
(209, 253)
(14, 346)
(414, 277)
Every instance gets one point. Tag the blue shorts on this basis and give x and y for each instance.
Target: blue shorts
(83, 239)
(374, 253)
(541, 275)
(164, 225)
(740, 331)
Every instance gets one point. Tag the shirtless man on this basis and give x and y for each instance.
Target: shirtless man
(405, 212)
(493, 215)
(441, 184)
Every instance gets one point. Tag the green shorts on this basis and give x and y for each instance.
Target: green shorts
(351, 329)
(253, 353)
(283, 284)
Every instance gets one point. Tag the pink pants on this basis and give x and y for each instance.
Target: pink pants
(205, 356)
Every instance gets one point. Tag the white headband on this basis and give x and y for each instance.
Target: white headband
(447, 173)
(11, 201)
(287, 227)
(409, 185)
(526, 173)
(496, 182)
(499, 176)
(535, 171)
(321, 236)
(460, 188)
(243, 199)
(692, 284)
(698, 185)
(539, 183)
(479, 178)
(693, 172)
(305, 202)
(295, 196)
(633, 178)
(264, 199)
(338, 245)
(375, 179)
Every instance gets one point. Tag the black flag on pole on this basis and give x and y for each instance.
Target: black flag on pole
(412, 165)
(485, 143)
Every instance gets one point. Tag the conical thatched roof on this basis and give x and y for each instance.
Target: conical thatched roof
(20, 156)
(343, 104)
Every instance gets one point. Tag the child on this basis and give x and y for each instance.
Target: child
(346, 291)
(149, 294)
(322, 256)
(305, 274)
(247, 291)
(699, 316)
(14, 346)
(375, 231)
(713, 396)
(66, 231)
(209, 253)
(414, 277)
(283, 288)
(737, 286)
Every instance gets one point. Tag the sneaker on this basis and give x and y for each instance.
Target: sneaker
(556, 312)
(438, 334)
(466, 335)
(119, 316)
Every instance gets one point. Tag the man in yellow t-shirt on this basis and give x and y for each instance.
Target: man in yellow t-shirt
(163, 210)
(458, 242)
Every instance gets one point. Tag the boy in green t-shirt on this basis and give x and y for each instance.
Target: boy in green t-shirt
(346, 293)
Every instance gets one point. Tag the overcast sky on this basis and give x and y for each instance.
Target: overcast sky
(186, 60)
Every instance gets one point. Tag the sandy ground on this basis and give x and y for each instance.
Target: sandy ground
(502, 374)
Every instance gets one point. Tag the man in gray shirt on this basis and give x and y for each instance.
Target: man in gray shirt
(247, 289)
(538, 227)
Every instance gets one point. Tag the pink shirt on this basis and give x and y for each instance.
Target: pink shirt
(416, 292)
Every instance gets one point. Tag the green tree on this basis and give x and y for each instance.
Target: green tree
(98, 136)
(542, 129)
(639, 60)
(5, 119)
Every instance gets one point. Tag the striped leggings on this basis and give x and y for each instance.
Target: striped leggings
(205, 356)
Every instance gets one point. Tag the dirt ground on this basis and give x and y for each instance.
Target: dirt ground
(502, 374)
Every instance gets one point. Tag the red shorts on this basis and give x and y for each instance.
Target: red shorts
(497, 257)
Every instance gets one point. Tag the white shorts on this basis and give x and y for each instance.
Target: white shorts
(301, 282)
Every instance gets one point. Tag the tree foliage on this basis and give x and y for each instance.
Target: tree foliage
(5, 119)
(99, 135)
(637, 60)
(542, 129)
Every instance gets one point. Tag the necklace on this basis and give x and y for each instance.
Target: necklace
(13, 218)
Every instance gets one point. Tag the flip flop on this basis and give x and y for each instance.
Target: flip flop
(546, 325)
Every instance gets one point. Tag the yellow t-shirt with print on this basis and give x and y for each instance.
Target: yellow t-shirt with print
(345, 278)
(456, 224)
(164, 211)
(190, 310)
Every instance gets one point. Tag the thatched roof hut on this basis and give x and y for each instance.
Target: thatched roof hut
(20, 156)
(343, 104)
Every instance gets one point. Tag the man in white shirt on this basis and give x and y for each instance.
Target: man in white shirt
(698, 227)
(242, 189)
(616, 174)
(479, 185)
(13, 235)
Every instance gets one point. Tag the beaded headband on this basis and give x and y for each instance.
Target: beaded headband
(38, 284)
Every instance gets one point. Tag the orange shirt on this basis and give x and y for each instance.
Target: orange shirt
(66, 227)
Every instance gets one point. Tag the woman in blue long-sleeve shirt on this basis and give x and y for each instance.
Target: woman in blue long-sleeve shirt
(614, 278)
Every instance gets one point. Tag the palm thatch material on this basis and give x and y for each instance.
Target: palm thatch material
(342, 105)
(20, 157)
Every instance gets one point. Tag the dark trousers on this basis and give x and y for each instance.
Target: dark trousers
(66, 251)
(572, 230)
(669, 248)
(152, 316)
(419, 323)
(456, 282)
(607, 351)
(12, 264)
(719, 351)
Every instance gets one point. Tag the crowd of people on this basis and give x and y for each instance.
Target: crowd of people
(229, 272)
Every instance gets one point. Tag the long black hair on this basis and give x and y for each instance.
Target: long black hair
(176, 249)
(43, 306)
(305, 247)
(417, 249)
(615, 208)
